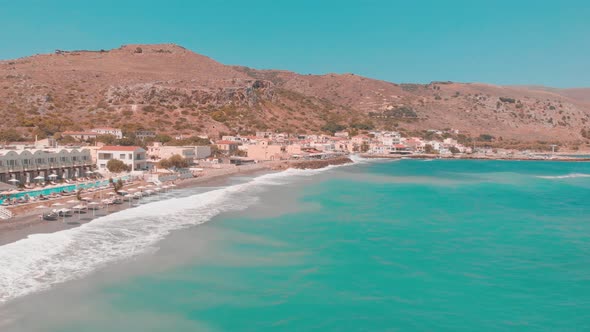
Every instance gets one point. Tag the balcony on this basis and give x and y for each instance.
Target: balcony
(45, 166)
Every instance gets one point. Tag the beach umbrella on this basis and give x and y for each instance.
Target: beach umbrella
(79, 208)
(72, 201)
(107, 203)
(93, 210)
(129, 198)
(39, 178)
(53, 175)
(59, 204)
(13, 180)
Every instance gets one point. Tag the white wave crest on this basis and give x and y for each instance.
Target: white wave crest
(42, 260)
(567, 176)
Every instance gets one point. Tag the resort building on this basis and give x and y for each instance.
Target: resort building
(108, 131)
(133, 156)
(24, 165)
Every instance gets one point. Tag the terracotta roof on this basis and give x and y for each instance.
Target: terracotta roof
(119, 148)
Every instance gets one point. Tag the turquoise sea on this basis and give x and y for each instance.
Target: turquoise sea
(407, 245)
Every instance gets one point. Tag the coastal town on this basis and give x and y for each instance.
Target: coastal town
(96, 160)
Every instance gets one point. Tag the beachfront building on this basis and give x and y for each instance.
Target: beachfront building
(202, 151)
(108, 131)
(20, 166)
(264, 150)
(229, 147)
(390, 138)
(157, 151)
(132, 156)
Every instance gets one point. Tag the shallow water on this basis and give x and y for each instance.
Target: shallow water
(409, 245)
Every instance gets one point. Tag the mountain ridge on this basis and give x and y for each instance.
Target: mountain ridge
(170, 89)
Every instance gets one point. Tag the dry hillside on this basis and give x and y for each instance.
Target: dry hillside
(171, 89)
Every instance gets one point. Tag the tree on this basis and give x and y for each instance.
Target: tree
(365, 147)
(117, 185)
(107, 139)
(176, 161)
(10, 135)
(486, 137)
(117, 166)
(162, 138)
(332, 127)
(429, 149)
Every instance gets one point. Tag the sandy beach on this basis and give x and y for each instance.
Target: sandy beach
(28, 219)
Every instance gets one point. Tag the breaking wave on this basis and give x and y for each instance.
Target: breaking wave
(42, 260)
(567, 176)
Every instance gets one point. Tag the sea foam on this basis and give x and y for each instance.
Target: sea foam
(567, 176)
(42, 260)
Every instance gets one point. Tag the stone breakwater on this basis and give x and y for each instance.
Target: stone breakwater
(312, 164)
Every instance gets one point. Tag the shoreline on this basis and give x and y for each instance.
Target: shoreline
(29, 223)
(463, 157)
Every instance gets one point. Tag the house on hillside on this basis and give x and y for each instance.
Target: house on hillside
(108, 131)
(81, 135)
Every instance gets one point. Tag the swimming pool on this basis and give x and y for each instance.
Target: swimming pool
(57, 190)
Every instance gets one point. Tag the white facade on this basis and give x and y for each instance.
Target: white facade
(108, 131)
(132, 156)
(202, 151)
(24, 165)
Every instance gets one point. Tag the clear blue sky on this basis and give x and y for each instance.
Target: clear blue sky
(495, 41)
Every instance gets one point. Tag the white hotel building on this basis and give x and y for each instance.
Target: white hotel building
(26, 164)
(133, 156)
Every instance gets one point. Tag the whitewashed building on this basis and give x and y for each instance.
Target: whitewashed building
(108, 131)
(26, 164)
(132, 156)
